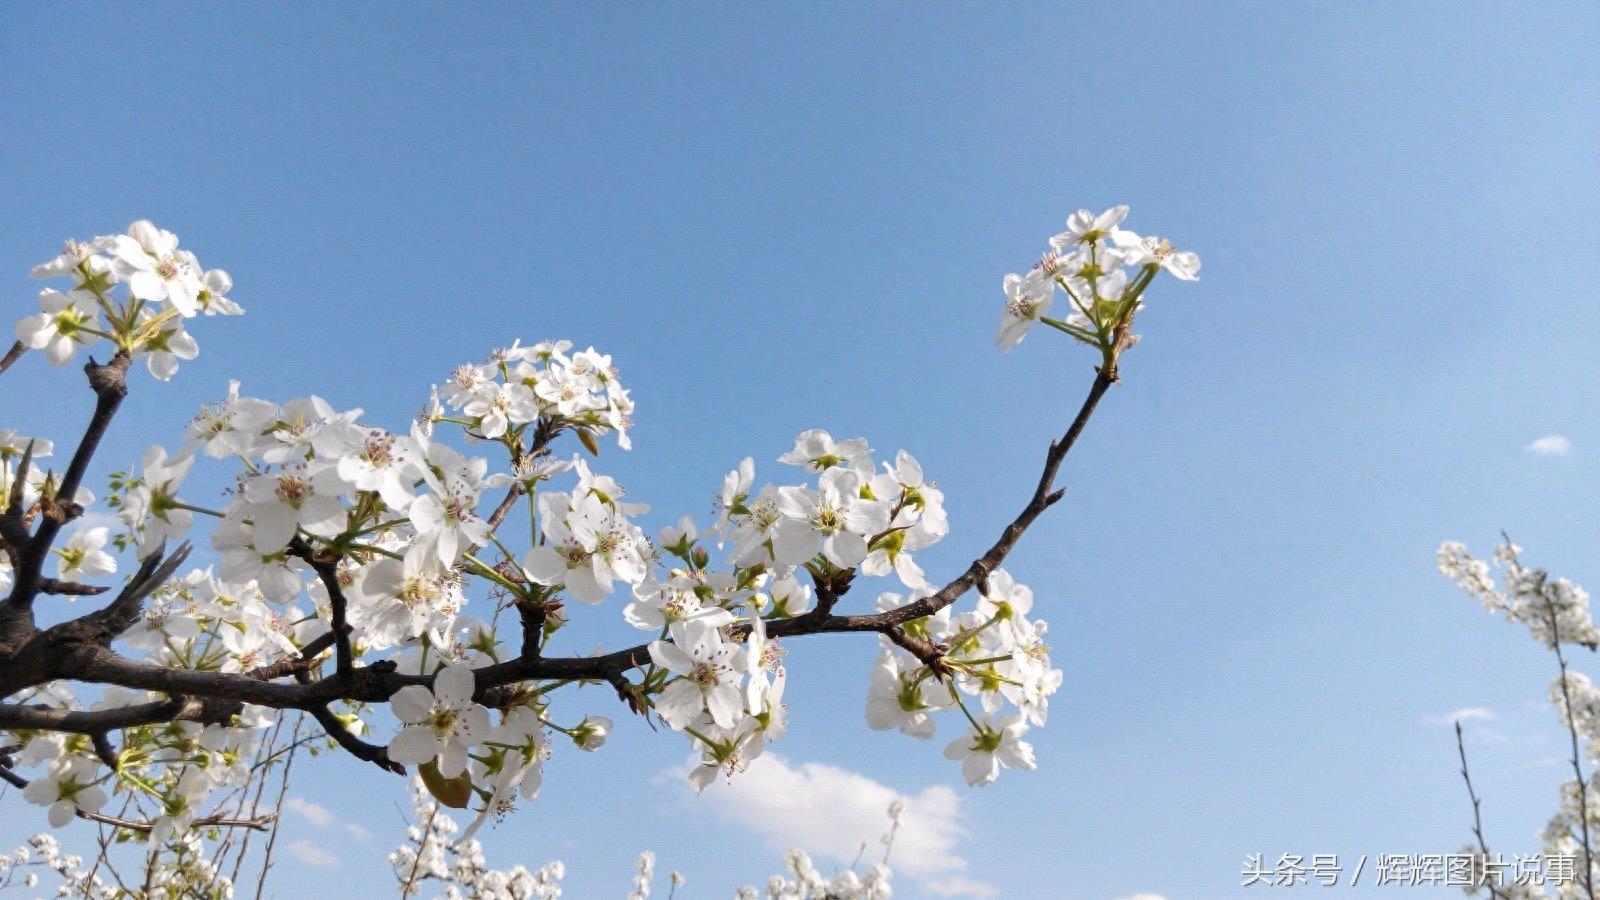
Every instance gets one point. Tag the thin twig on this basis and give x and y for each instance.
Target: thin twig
(1477, 817)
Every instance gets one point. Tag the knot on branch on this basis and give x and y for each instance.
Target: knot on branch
(831, 587)
(109, 379)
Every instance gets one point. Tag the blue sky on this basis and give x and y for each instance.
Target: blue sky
(780, 216)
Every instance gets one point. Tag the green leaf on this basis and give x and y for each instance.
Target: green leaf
(452, 792)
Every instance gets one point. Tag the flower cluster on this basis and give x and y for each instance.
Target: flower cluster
(996, 655)
(1556, 613)
(1102, 270)
(162, 286)
(1548, 607)
(375, 541)
(521, 385)
(434, 853)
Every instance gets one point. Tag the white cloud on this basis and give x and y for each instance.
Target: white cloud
(315, 813)
(1550, 445)
(1468, 714)
(312, 855)
(959, 886)
(829, 811)
(1142, 897)
(323, 817)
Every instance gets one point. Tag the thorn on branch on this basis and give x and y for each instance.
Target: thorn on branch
(121, 614)
(71, 588)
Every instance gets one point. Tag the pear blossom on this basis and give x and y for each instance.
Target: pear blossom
(440, 725)
(61, 326)
(74, 254)
(371, 459)
(68, 788)
(213, 297)
(148, 259)
(84, 554)
(1154, 251)
(1026, 303)
(232, 427)
(296, 497)
(708, 670)
(1085, 227)
(153, 504)
(837, 521)
(898, 699)
(990, 745)
(817, 450)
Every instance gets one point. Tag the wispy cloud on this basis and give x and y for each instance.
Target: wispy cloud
(313, 855)
(323, 817)
(1550, 445)
(959, 886)
(1142, 897)
(315, 813)
(1466, 714)
(829, 811)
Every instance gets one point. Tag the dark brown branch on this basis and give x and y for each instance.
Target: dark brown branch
(353, 745)
(338, 606)
(1477, 812)
(12, 355)
(261, 823)
(105, 625)
(1044, 496)
(109, 383)
(71, 588)
(100, 721)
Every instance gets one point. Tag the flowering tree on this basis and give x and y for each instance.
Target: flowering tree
(1556, 612)
(346, 555)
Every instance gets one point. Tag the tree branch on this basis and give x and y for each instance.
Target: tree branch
(109, 383)
(12, 355)
(76, 652)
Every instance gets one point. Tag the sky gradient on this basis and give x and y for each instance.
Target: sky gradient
(778, 217)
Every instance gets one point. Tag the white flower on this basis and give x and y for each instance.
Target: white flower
(708, 677)
(1154, 251)
(154, 505)
(900, 699)
(589, 547)
(834, 517)
(71, 256)
(371, 459)
(66, 789)
(500, 406)
(397, 600)
(446, 517)
(164, 346)
(59, 328)
(441, 724)
(292, 498)
(1027, 302)
(149, 260)
(816, 450)
(990, 745)
(84, 555)
(591, 733)
(233, 426)
(214, 287)
(1084, 227)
